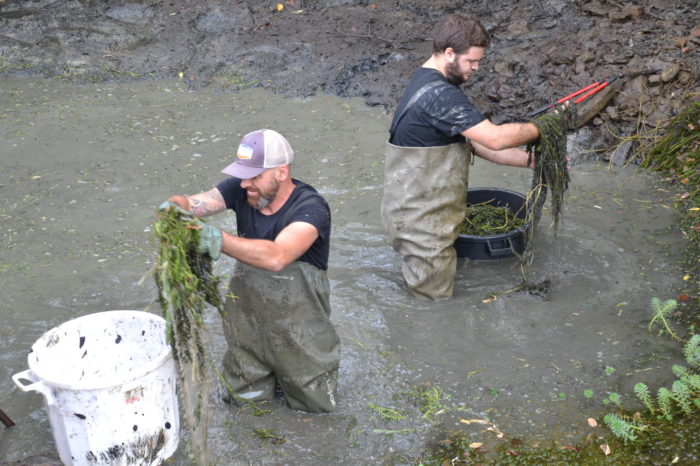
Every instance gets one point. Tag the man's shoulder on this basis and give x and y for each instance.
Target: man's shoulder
(304, 193)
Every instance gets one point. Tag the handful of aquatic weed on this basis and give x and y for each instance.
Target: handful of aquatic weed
(185, 284)
(551, 172)
(185, 281)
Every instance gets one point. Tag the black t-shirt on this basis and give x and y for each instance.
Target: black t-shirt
(305, 204)
(438, 117)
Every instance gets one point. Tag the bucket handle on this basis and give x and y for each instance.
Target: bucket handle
(36, 385)
(499, 252)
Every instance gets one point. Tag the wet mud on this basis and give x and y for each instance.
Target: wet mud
(84, 167)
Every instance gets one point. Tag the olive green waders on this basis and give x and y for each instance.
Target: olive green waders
(278, 330)
(425, 200)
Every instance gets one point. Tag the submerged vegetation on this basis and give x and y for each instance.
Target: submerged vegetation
(682, 398)
(185, 285)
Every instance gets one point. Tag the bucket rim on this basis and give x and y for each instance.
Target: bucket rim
(107, 382)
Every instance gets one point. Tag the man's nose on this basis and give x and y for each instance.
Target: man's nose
(245, 183)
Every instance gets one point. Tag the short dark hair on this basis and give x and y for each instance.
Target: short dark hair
(459, 31)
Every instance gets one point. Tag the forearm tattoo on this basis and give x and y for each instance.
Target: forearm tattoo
(207, 203)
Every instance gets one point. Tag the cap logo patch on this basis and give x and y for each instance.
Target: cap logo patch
(245, 152)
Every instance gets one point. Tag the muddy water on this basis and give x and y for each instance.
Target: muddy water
(82, 169)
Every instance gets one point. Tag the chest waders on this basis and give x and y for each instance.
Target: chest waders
(278, 330)
(425, 200)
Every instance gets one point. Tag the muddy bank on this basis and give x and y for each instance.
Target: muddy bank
(359, 48)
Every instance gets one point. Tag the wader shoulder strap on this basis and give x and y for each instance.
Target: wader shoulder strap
(413, 100)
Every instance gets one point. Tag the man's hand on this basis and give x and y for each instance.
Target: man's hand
(210, 240)
(167, 205)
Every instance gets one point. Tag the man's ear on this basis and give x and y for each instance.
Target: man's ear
(282, 172)
(450, 55)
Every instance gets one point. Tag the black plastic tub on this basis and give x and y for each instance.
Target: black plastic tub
(495, 247)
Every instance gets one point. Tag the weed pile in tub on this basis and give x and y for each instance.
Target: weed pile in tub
(486, 219)
(185, 285)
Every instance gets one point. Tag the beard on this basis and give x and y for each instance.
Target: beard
(264, 200)
(453, 75)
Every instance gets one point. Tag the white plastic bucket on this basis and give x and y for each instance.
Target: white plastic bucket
(110, 388)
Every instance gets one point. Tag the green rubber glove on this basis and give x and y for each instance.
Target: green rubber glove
(210, 240)
(171, 205)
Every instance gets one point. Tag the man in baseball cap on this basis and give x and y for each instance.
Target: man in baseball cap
(276, 317)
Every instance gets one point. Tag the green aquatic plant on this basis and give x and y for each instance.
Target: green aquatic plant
(430, 400)
(681, 395)
(623, 428)
(185, 285)
(663, 399)
(269, 434)
(615, 398)
(642, 392)
(691, 351)
(662, 310)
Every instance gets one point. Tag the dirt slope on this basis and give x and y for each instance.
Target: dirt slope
(359, 48)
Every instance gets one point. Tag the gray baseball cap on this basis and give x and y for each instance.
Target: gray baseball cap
(258, 151)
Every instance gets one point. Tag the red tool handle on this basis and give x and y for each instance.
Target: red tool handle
(564, 99)
(592, 91)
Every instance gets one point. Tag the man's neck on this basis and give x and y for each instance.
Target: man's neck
(283, 194)
(436, 63)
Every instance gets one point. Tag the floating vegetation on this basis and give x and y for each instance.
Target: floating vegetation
(430, 400)
(486, 219)
(389, 414)
(185, 285)
(269, 434)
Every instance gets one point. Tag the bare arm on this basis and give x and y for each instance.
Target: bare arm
(293, 241)
(514, 157)
(499, 137)
(202, 204)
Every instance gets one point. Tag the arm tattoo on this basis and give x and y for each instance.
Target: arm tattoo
(207, 203)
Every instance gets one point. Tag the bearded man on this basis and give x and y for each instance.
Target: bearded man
(433, 134)
(276, 317)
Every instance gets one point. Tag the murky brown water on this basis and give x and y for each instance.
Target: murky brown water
(82, 169)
